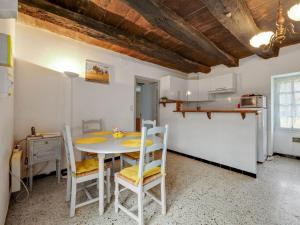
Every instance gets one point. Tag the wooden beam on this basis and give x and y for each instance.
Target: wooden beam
(236, 17)
(165, 19)
(108, 35)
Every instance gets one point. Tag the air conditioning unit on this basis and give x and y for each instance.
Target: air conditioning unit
(16, 170)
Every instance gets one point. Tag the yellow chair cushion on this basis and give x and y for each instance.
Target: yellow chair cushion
(134, 155)
(86, 166)
(100, 133)
(131, 173)
(133, 143)
(90, 140)
(132, 134)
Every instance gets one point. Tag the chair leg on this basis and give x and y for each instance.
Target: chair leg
(116, 195)
(121, 162)
(69, 177)
(113, 165)
(73, 197)
(163, 196)
(140, 206)
(108, 185)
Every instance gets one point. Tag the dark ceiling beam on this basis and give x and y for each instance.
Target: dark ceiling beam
(111, 36)
(236, 17)
(165, 19)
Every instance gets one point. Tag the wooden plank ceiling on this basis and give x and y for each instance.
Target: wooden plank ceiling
(189, 36)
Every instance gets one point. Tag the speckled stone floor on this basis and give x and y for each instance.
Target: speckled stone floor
(197, 193)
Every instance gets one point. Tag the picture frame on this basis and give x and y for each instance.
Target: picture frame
(97, 72)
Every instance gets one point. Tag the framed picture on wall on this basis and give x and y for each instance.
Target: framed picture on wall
(97, 72)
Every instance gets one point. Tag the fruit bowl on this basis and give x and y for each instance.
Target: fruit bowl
(118, 134)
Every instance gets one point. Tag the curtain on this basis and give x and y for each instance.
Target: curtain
(287, 102)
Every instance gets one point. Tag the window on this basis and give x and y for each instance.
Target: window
(287, 102)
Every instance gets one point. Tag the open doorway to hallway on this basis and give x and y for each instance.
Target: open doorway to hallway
(146, 100)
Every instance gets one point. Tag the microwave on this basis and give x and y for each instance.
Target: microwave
(255, 101)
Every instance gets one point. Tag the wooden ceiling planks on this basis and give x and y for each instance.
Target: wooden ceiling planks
(165, 19)
(227, 39)
(77, 23)
(237, 19)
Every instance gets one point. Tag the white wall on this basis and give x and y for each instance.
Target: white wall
(41, 88)
(6, 132)
(254, 76)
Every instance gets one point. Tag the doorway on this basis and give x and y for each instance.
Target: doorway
(146, 100)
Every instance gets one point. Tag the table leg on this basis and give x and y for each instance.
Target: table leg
(101, 183)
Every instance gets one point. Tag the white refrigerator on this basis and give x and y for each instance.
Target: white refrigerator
(262, 136)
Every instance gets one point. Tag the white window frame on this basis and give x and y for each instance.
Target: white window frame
(275, 98)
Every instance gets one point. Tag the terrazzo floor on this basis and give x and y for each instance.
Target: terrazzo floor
(197, 193)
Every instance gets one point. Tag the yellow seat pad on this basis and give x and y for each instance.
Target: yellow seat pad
(100, 133)
(134, 155)
(90, 140)
(132, 143)
(86, 166)
(132, 134)
(131, 173)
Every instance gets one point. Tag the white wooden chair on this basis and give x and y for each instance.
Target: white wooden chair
(89, 126)
(143, 177)
(132, 158)
(80, 172)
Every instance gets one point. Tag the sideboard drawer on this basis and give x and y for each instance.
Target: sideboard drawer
(45, 145)
(44, 156)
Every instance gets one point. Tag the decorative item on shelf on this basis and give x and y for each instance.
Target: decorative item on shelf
(117, 133)
(268, 39)
(97, 72)
(164, 99)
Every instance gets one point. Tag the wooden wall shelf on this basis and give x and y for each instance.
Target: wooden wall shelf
(210, 111)
(164, 103)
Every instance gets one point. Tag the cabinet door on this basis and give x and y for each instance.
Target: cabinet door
(203, 89)
(178, 88)
(193, 88)
(224, 82)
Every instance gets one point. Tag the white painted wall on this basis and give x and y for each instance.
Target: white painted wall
(226, 138)
(254, 76)
(41, 88)
(6, 132)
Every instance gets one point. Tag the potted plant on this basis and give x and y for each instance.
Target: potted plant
(164, 99)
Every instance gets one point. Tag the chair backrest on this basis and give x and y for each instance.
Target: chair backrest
(91, 126)
(162, 132)
(69, 148)
(149, 123)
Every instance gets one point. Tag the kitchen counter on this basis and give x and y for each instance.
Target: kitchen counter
(223, 137)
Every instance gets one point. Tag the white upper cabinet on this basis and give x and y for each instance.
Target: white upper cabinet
(173, 88)
(204, 86)
(223, 84)
(193, 90)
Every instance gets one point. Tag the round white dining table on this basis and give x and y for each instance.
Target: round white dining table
(110, 146)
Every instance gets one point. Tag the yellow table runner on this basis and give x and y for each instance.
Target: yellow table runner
(132, 134)
(90, 140)
(132, 143)
(100, 133)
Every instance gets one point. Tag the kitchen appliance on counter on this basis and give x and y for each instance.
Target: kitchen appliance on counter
(253, 101)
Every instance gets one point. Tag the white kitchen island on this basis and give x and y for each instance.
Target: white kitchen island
(227, 139)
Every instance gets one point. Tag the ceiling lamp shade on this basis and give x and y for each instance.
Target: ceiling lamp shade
(294, 12)
(260, 39)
